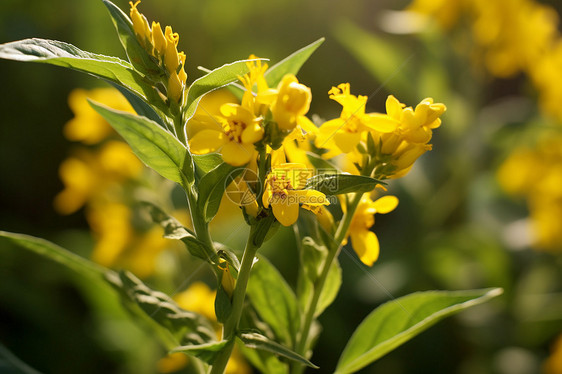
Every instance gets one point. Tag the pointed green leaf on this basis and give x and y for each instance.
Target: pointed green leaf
(322, 166)
(206, 352)
(274, 300)
(141, 107)
(63, 54)
(217, 78)
(336, 184)
(140, 59)
(265, 362)
(156, 147)
(258, 341)
(212, 186)
(291, 64)
(398, 321)
(173, 229)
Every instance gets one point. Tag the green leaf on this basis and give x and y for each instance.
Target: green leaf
(291, 64)
(156, 147)
(63, 54)
(258, 341)
(206, 352)
(173, 229)
(264, 361)
(54, 252)
(140, 59)
(206, 163)
(331, 288)
(322, 166)
(212, 186)
(11, 364)
(274, 301)
(384, 59)
(140, 106)
(336, 184)
(217, 78)
(397, 321)
(173, 325)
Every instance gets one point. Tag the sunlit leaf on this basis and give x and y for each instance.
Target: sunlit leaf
(156, 147)
(291, 64)
(398, 321)
(206, 352)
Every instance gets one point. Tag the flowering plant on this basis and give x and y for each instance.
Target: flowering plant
(260, 151)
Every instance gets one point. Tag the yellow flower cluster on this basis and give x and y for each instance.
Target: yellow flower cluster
(398, 137)
(162, 45)
(236, 128)
(512, 36)
(536, 174)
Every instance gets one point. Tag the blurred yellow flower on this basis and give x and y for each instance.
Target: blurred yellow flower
(291, 103)
(88, 176)
(88, 126)
(284, 192)
(536, 175)
(364, 241)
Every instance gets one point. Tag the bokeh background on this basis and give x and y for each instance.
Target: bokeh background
(461, 223)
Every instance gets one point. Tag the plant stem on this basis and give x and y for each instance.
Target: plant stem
(231, 324)
(334, 250)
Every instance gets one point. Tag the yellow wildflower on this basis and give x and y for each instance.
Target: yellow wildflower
(343, 134)
(284, 192)
(364, 241)
(140, 25)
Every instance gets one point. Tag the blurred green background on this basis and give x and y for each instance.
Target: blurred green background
(454, 227)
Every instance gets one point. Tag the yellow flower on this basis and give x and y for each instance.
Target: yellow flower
(283, 191)
(234, 135)
(343, 134)
(292, 102)
(88, 126)
(364, 241)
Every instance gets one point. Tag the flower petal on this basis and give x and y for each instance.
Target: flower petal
(366, 245)
(385, 204)
(237, 154)
(286, 213)
(207, 141)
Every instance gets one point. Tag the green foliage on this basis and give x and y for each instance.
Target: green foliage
(212, 186)
(397, 321)
(274, 301)
(156, 147)
(141, 60)
(337, 184)
(291, 64)
(258, 341)
(63, 54)
(215, 79)
(173, 229)
(206, 352)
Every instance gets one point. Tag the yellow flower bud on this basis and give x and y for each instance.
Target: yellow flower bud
(158, 38)
(175, 87)
(171, 56)
(293, 100)
(227, 282)
(140, 25)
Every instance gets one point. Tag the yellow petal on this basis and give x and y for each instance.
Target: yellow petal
(366, 245)
(207, 141)
(385, 204)
(286, 213)
(347, 141)
(158, 38)
(237, 154)
(380, 122)
(394, 107)
(252, 134)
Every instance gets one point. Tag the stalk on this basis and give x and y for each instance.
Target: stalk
(231, 324)
(334, 250)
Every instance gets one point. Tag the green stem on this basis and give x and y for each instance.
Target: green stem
(231, 324)
(333, 252)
